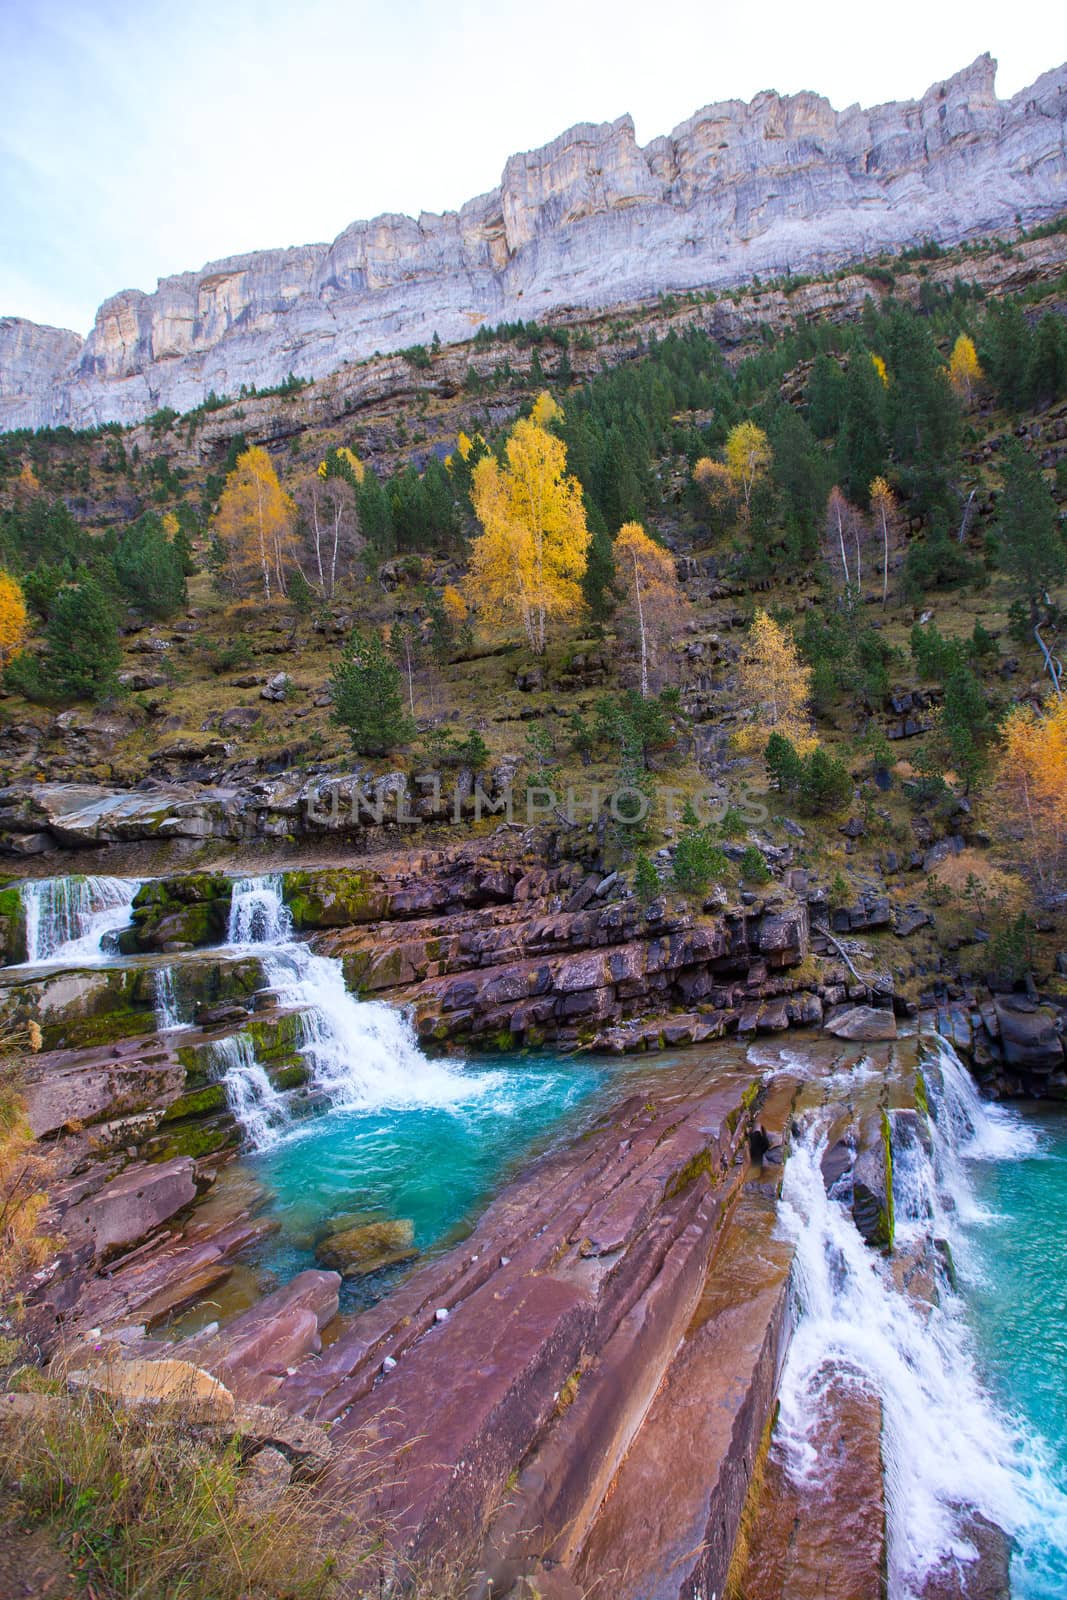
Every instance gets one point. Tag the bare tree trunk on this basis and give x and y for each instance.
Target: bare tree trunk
(885, 556)
(641, 627)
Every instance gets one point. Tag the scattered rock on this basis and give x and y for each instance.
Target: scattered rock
(277, 687)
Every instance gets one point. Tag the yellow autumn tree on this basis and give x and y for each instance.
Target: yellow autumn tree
(14, 624)
(530, 558)
(546, 410)
(255, 523)
(716, 484)
(454, 604)
(648, 573)
(748, 455)
(27, 484)
(1030, 789)
(964, 370)
(884, 511)
(774, 685)
(879, 366)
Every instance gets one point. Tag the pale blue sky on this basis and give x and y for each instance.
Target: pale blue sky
(141, 139)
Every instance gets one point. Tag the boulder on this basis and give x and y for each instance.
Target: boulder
(277, 687)
(872, 1182)
(1028, 1034)
(864, 1024)
(368, 1247)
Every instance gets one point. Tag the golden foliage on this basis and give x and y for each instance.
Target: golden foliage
(964, 370)
(714, 478)
(464, 444)
(774, 685)
(455, 606)
(529, 560)
(884, 510)
(879, 366)
(546, 410)
(748, 455)
(171, 525)
(27, 483)
(14, 623)
(648, 571)
(971, 875)
(1030, 787)
(255, 522)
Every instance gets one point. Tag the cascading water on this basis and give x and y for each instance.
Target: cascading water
(168, 1011)
(258, 1108)
(945, 1444)
(362, 1054)
(72, 921)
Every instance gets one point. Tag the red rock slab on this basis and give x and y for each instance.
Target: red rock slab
(461, 1409)
(168, 1277)
(667, 1527)
(823, 1538)
(530, 1226)
(253, 1352)
(563, 1482)
(133, 1204)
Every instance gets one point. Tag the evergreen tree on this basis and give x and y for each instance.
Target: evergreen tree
(1031, 547)
(922, 414)
(1046, 371)
(861, 440)
(82, 650)
(368, 697)
(150, 568)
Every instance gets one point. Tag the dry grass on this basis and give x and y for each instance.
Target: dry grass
(148, 1507)
(24, 1174)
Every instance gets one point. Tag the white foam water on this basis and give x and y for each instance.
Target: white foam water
(362, 1054)
(258, 1108)
(72, 921)
(945, 1444)
(168, 1009)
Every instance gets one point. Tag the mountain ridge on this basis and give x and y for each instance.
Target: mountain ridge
(773, 185)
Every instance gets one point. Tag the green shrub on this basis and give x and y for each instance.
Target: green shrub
(646, 879)
(698, 861)
(753, 867)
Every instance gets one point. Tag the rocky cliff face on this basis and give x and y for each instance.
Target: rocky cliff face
(782, 183)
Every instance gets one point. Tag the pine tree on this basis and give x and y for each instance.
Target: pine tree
(82, 650)
(368, 697)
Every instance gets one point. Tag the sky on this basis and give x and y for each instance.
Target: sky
(140, 138)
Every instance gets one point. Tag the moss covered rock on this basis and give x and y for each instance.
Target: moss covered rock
(333, 897)
(184, 912)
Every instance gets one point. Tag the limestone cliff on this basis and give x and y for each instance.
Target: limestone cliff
(782, 183)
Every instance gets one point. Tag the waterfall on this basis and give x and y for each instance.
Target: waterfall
(258, 1108)
(258, 914)
(362, 1054)
(71, 921)
(944, 1442)
(168, 1013)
